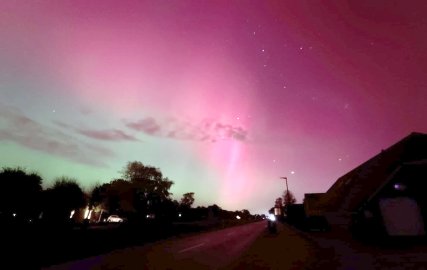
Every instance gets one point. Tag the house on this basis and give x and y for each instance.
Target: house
(386, 195)
(311, 202)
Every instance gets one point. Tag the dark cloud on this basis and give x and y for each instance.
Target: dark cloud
(205, 130)
(147, 125)
(107, 135)
(20, 129)
(229, 131)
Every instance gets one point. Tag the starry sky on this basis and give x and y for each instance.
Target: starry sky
(224, 97)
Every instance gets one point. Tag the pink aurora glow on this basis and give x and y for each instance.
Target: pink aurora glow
(284, 86)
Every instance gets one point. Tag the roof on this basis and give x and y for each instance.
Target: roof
(410, 173)
(358, 185)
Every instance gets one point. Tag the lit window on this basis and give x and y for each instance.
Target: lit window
(399, 187)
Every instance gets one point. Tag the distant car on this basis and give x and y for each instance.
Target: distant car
(114, 219)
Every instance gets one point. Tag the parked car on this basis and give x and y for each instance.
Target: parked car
(114, 219)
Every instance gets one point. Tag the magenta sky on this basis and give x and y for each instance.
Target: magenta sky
(225, 97)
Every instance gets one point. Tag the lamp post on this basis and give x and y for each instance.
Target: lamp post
(286, 180)
(287, 194)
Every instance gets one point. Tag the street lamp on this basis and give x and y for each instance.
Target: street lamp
(286, 180)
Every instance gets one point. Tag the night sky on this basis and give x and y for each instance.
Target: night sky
(224, 97)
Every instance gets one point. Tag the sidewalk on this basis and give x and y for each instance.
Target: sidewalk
(287, 249)
(349, 253)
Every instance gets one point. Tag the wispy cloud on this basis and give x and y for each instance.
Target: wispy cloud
(204, 130)
(103, 135)
(107, 135)
(147, 125)
(20, 129)
(229, 131)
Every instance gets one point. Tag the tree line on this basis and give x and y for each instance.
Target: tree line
(141, 193)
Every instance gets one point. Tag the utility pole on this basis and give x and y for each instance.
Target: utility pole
(287, 194)
(286, 180)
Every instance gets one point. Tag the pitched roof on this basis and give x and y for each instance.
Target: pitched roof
(413, 173)
(355, 187)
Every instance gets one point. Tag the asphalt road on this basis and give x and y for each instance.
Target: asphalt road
(251, 246)
(211, 250)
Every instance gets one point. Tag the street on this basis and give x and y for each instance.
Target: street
(242, 247)
(251, 246)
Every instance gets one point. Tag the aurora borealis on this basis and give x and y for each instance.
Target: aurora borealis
(224, 97)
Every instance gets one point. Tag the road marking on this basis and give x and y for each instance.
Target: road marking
(190, 248)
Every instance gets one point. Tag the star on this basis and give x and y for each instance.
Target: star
(292, 172)
(262, 50)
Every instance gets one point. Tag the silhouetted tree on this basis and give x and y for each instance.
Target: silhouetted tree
(97, 196)
(120, 196)
(245, 214)
(64, 196)
(279, 202)
(147, 179)
(19, 193)
(150, 188)
(169, 211)
(187, 199)
(116, 197)
(216, 210)
(288, 198)
(143, 190)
